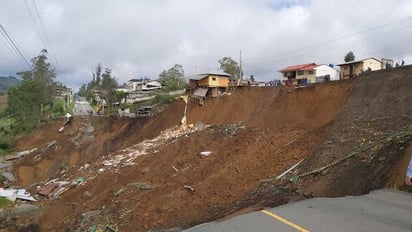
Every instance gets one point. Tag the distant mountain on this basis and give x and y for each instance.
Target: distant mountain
(7, 82)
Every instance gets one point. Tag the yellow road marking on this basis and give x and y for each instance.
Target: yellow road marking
(298, 228)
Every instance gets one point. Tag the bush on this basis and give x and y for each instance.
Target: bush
(164, 99)
(5, 202)
(58, 108)
(5, 141)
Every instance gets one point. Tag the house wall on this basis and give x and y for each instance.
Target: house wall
(305, 74)
(345, 71)
(309, 74)
(133, 85)
(192, 83)
(360, 67)
(323, 70)
(371, 63)
(214, 81)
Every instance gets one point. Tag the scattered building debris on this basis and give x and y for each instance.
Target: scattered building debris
(4, 165)
(118, 192)
(9, 176)
(18, 155)
(103, 228)
(205, 153)
(189, 187)
(24, 209)
(290, 169)
(174, 168)
(55, 188)
(13, 194)
(142, 186)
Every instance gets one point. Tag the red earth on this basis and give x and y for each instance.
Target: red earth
(253, 135)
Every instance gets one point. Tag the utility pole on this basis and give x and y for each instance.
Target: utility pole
(240, 66)
(8, 120)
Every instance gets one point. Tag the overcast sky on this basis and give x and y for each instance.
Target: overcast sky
(137, 38)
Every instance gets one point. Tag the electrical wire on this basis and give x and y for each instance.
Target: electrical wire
(51, 52)
(11, 50)
(14, 45)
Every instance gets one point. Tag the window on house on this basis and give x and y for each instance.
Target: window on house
(311, 72)
(213, 78)
(300, 72)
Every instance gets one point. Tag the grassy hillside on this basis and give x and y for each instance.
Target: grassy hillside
(7, 82)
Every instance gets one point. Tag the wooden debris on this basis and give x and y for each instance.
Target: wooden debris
(189, 187)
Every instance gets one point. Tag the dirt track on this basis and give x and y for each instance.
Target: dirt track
(254, 134)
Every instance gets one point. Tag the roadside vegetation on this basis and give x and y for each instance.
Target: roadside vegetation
(31, 102)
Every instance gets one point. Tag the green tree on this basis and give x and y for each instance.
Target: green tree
(97, 75)
(37, 90)
(349, 57)
(83, 90)
(172, 79)
(229, 66)
(108, 85)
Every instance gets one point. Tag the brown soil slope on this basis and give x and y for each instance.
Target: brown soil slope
(256, 133)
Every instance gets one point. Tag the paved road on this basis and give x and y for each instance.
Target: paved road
(381, 211)
(81, 107)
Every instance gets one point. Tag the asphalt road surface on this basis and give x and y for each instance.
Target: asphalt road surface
(81, 107)
(382, 211)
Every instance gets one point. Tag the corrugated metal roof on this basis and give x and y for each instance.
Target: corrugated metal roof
(299, 67)
(201, 92)
(205, 74)
(196, 77)
(358, 61)
(218, 73)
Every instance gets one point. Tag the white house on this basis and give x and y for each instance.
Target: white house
(144, 84)
(151, 85)
(308, 73)
(326, 72)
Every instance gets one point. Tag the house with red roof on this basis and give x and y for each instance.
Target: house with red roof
(303, 74)
(299, 74)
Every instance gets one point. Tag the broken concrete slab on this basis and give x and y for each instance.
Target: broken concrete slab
(142, 185)
(205, 153)
(9, 176)
(4, 165)
(118, 192)
(24, 208)
(18, 155)
(48, 189)
(13, 194)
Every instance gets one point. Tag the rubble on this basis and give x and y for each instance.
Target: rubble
(205, 153)
(24, 208)
(9, 176)
(19, 155)
(14, 194)
(189, 188)
(142, 186)
(54, 188)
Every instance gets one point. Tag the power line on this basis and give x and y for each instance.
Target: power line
(34, 23)
(14, 45)
(44, 32)
(11, 50)
(298, 51)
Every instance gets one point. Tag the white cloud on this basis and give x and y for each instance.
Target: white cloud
(142, 38)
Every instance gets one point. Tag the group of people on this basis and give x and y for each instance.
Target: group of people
(408, 178)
